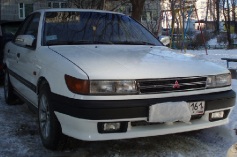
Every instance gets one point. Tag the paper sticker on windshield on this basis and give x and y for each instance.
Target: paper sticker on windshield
(51, 37)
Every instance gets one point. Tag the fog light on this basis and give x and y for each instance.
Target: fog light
(217, 115)
(220, 115)
(112, 127)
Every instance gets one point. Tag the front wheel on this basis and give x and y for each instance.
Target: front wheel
(50, 129)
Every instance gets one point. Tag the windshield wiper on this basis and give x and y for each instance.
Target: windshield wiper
(55, 42)
(80, 42)
(134, 43)
(84, 42)
(89, 42)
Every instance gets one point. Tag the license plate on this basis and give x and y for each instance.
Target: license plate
(196, 108)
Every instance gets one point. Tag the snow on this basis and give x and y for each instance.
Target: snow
(20, 137)
(213, 41)
(165, 112)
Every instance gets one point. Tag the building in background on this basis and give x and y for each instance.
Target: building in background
(18, 9)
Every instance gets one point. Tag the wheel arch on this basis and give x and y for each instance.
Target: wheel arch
(41, 81)
(52, 141)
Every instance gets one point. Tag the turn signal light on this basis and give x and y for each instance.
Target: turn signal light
(76, 85)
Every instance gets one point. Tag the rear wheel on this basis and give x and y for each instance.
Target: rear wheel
(50, 129)
(9, 95)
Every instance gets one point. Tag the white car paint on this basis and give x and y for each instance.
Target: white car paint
(135, 62)
(69, 128)
(107, 62)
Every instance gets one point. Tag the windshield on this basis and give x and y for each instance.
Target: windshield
(75, 28)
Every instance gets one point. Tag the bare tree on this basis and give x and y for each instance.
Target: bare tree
(217, 16)
(208, 6)
(226, 13)
(233, 5)
(137, 9)
(137, 6)
(153, 16)
(173, 15)
(88, 4)
(117, 6)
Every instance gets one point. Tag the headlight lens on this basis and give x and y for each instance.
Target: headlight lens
(86, 87)
(113, 87)
(218, 81)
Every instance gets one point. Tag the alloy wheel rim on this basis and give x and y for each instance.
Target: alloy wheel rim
(44, 117)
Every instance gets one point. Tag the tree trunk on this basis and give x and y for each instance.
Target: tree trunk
(137, 9)
(233, 4)
(217, 16)
(173, 14)
(228, 32)
(207, 11)
(226, 13)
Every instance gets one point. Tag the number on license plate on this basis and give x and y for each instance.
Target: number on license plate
(196, 108)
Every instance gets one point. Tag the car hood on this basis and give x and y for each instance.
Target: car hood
(135, 62)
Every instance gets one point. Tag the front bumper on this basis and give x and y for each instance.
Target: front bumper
(80, 119)
(87, 130)
(122, 109)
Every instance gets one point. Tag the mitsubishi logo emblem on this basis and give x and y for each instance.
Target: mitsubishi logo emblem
(176, 84)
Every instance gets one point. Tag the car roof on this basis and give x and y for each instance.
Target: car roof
(76, 9)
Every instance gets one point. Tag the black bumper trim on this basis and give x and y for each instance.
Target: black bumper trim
(120, 109)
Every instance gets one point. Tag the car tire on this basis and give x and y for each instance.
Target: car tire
(9, 95)
(49, 127)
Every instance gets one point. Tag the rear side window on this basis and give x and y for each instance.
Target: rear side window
(10, 28)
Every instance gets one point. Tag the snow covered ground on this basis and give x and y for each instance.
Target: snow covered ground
(19, 133)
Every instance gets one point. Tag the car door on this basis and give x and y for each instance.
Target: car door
(7, 32)
(23, 68)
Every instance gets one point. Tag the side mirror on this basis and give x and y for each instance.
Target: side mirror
(25, 40)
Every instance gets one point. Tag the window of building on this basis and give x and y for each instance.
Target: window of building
(24, 10)
(57, 5)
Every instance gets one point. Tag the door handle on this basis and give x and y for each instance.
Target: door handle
(18, 55)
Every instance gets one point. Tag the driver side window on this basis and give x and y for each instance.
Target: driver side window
(30, 26)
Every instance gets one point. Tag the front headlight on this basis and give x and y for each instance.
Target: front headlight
(218, 81)
(100, 87)
(113, 87)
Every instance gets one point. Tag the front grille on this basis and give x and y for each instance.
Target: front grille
(154, 86)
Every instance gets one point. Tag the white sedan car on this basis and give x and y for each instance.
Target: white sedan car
(98, 75)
